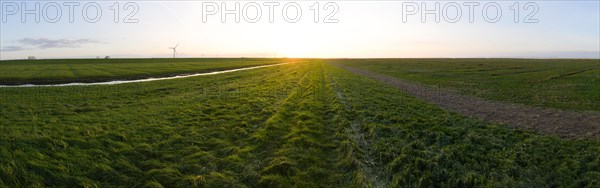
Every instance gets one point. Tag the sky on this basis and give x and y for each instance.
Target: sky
(344, 29)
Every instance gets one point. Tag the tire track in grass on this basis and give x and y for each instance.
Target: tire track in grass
(520, 72)
(262, 153)
(74, 71)
(565, 75)
(370, 173)
(269, 139)
(334, 118)
(562, 123)
(298, 140)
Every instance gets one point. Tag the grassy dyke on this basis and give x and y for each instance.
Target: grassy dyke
(304, 124)
(93, 70)
(558, 83)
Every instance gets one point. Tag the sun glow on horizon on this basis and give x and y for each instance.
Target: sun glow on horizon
(294, 50)
(294, 41)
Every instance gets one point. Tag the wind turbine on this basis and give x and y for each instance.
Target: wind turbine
(174, 50)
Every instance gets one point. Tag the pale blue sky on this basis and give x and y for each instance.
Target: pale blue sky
(366, 29)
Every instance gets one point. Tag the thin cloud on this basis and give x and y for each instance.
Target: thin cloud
(44, 43)
(12, 48)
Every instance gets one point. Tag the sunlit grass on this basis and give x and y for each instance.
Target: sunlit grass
(306, 124)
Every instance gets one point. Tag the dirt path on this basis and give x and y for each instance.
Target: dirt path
(563, 123)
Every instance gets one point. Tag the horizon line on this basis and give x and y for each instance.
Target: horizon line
(242, 57)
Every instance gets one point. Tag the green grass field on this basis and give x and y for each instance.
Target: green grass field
(303, 124)
(559, 83)
(92, 70)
